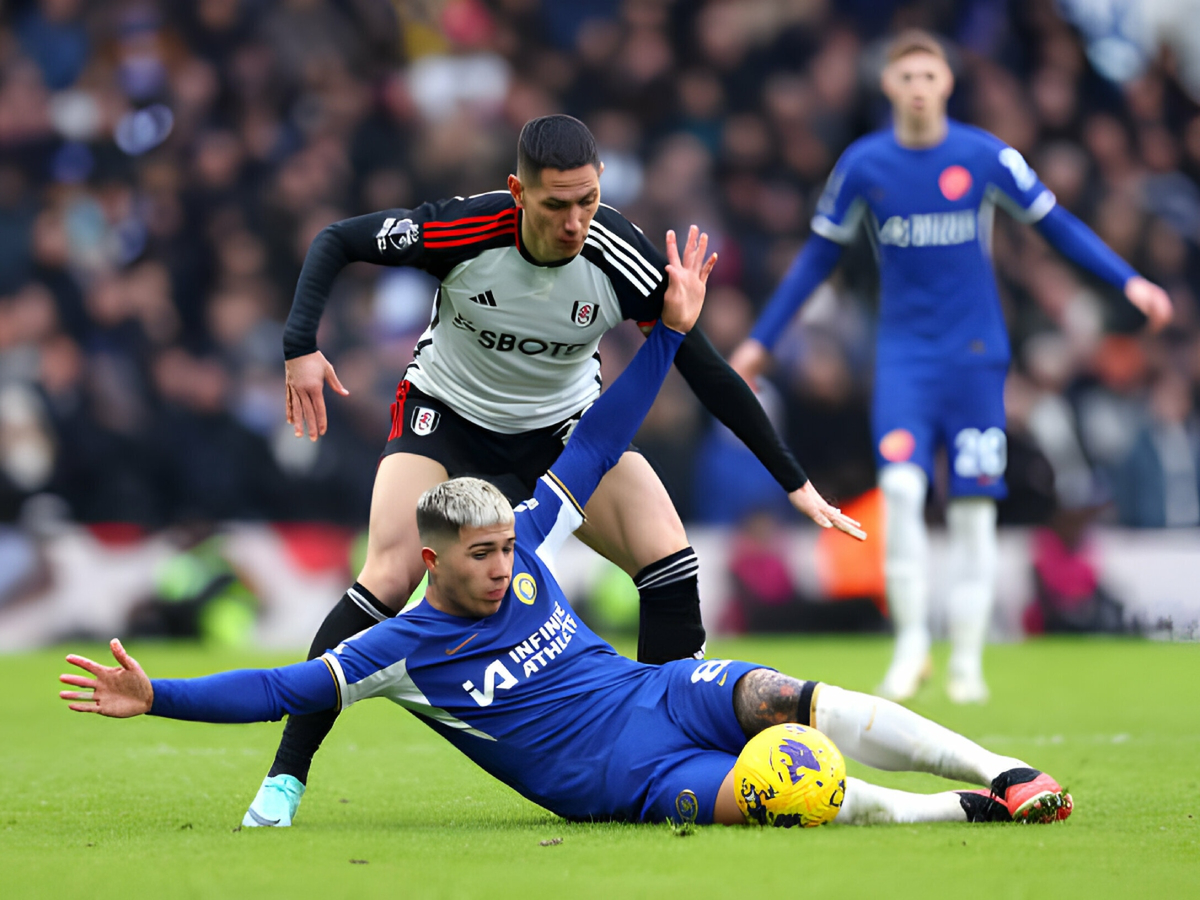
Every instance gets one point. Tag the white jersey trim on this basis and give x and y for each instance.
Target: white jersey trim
(365, 605)
(1035, 212)
(567, 520)
(844, 233)
(339, 678)
(613, 261)
(607, 234)
(394, 683)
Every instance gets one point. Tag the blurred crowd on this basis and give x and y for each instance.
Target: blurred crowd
(164, 166)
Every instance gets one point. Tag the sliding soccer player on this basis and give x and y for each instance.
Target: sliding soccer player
(495, 660)
(926, 189)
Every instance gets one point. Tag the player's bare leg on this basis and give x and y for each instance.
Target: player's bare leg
(885, 735)
(972, 525)
(632, 521)
(393, 566)
(393, 569)
(906, 564)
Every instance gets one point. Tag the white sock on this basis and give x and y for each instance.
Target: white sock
(972, 526)
(888, 736)
(870, 804)
(906, 559)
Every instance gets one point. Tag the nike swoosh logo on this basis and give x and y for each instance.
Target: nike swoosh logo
(260, 820)
(463, 644)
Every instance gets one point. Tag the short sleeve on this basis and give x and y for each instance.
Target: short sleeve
(842, 205)
(634, 266)
(548, 518)
(1014, 185)
(437, 236)
(374, 662)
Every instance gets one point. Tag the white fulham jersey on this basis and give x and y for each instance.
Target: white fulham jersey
(512, 343)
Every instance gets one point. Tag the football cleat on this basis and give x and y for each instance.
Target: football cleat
(1032, 796)
(983, 806)
(904, 678)
(276, 803)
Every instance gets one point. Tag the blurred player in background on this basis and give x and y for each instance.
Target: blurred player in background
(498, 664)
(531, 279)
(927, 188)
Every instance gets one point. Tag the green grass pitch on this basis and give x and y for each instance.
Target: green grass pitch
(97, 808)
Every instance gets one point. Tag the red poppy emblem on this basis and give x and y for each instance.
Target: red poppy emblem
(954, 182)
(897, 445)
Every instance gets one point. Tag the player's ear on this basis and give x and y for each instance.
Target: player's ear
(947, 81)
(516, 189)
(887, 80)
(429, 557)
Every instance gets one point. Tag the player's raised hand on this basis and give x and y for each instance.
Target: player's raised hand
(750, 360)
(689, 275)
(119, 691)
(304, 379)
(1151, 300)
(813, 505)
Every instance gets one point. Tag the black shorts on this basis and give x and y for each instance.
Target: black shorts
(425, 426)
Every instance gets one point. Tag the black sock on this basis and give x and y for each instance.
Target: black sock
(302, 735)
(1002, 782)
(669, 621)
(982, 808)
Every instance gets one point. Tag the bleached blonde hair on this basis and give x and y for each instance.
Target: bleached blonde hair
(445, 508)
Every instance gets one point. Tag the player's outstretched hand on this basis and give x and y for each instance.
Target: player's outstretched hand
(1151, 300)
(685, 293)
(813, 505)
(119, 691)
(750, 360)
(304, 379)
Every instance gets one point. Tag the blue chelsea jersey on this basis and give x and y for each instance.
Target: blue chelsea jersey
(519, 691)
(930, 212)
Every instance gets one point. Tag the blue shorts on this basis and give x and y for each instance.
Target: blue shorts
(918, 407)
(681, 741)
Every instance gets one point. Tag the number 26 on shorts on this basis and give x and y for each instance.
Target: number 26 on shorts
(980, 453)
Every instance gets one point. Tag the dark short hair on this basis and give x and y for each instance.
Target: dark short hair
(555, 142)
(914, 40)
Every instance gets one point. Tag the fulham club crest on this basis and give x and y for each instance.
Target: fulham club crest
(424, 421)
(583, 313)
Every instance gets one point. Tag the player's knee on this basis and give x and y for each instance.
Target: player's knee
(903, 485)
(764, 697)
(657, 534)
(389, 578)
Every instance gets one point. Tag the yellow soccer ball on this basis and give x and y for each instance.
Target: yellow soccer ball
(790, 775)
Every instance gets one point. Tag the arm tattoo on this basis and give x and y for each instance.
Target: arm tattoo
(763, 698)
